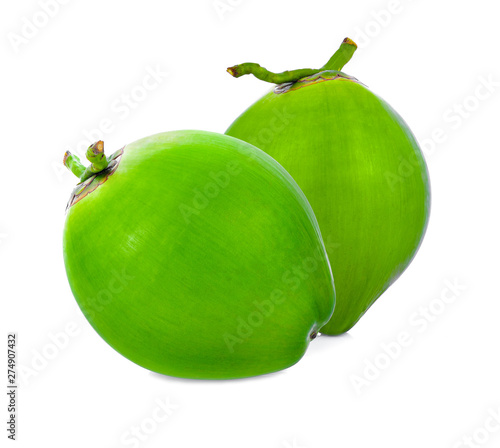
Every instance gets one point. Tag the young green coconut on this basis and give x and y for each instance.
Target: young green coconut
(358, 164)
(196, 255)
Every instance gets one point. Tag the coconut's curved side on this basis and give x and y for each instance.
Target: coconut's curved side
(363, 173)
(199, 257)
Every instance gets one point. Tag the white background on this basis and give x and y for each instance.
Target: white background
(65, 77)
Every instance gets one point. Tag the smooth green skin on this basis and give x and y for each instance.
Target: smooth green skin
(364, 175)
(192, 281)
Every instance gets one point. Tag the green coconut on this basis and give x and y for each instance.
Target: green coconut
(358, 164)
(196, 255)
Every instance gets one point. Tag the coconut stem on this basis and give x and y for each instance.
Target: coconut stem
(336, 62)
(73, 164)
(251, 68)
(95, 155)
(342, 56)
